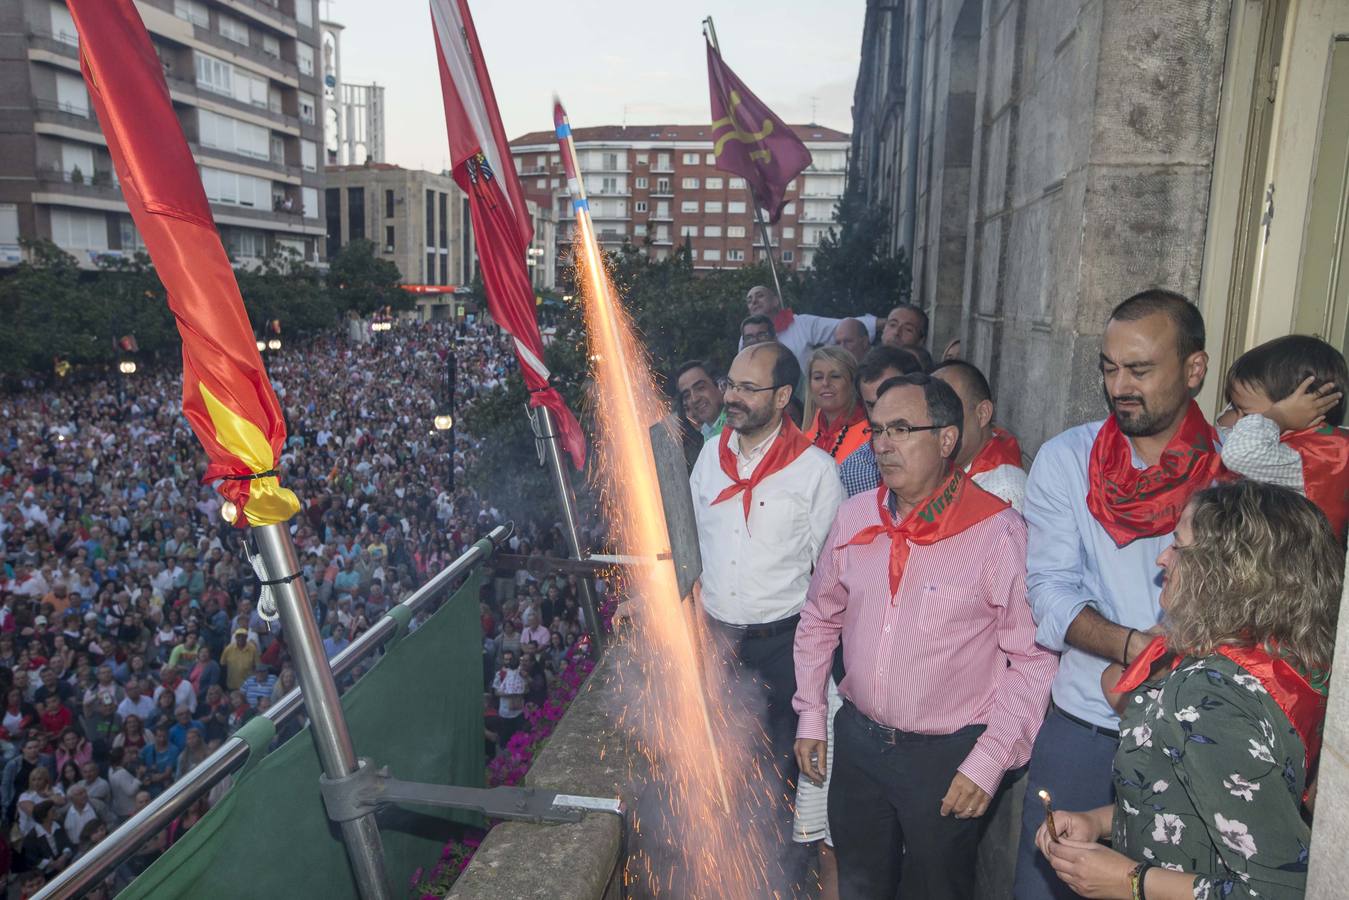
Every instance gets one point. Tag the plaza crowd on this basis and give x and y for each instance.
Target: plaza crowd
(1139, 630)
(130, 645)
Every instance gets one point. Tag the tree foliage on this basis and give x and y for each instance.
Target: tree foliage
(852, 272)
(361, 282)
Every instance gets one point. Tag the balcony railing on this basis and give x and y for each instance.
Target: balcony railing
(94, 185)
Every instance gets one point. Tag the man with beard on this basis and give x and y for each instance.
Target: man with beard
(1102, 502)
(764, 500)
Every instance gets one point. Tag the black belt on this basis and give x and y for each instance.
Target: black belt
(767, 629)
(1098, 729)
(893, 736)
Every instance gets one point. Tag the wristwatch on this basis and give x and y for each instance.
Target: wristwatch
(1136, 875)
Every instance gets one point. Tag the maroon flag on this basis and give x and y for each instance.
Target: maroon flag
(751, 141)
(480, 162)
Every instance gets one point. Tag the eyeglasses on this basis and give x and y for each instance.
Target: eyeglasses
(726, 386)
(897, 432)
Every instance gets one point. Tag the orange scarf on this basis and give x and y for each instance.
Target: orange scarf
(1132, 503)
(787, 446)
(1001, 450)
(953, 507)
(1325, 471)
(782, 320)
(842, 438)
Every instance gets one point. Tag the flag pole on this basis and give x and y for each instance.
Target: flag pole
(710, 31)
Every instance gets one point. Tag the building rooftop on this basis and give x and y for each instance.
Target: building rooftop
(383, 167)
(642, 133)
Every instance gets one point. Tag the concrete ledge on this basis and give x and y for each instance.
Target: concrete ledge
(587, 754)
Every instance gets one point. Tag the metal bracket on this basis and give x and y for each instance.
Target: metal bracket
(368, 789)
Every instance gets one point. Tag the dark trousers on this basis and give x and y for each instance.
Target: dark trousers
(885, 809)
(1074, 764)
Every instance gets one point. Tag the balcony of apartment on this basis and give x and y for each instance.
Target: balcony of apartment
(658, 169)
(187, 91)
(273, 167)
(92, 190)
(661, 240)
(661, 216)
(40, 38)
(621, 168)
(285, 71)
(268, 12)
(52, 112)
(658, 193)
(601, 192)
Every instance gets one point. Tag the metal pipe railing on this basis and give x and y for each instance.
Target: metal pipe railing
(118, 847)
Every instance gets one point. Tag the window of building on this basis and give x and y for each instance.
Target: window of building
(231, 29)
(304, 58)
(663, 210)
(714, 184)
(712, 206)
(332, 209)
(77, 229)
(711, 159)
(541, 184)
(735, 206)
(304, 12)
(77, 156)
(689, 184)
(309, 201)
(388, 239)
(245, 243)
(639, 206)
(63, 26)
(71, 95)
(688, 230)
(688, 206)
(608, 185)
(789, 209)
(641, 159)
(662, 185)
(611, 161)
(791, 185)
(388, 205)
(444, 222)
(307, 107)
(232, 135)
(355, 213)
(429, 275)
(309, 156)
(641, 182)
(431, 221)
(130, 238)
(736, 184)
(711, 255)
(542, 161)
(691, 159)
(271, 45)
(788, 256)
(236, 190)
(9, 226)
(553, 183)
(554, 159)
(296, 246)
(663, 161)
(734, 255)
(712, 231)
(735, 231)
(193, 11)
(639, 230)
(788, 232)
(444, 265)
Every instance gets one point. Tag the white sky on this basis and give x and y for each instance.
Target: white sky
(640, 59)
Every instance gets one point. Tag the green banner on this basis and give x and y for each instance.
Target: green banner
(418, 711)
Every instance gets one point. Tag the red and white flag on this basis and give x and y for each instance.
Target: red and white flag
(480, 162)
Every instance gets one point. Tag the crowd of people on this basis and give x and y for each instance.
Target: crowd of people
(130, 644)
(1138, 630)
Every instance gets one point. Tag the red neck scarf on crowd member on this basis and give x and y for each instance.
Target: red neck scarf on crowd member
(787, 446)
(1302, 698)
(840, 439)
(1325, 471)
(1001, 450)
(1135, 503)
(957, 504)
(782, 320)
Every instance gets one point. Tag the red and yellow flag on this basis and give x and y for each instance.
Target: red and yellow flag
(227, 397)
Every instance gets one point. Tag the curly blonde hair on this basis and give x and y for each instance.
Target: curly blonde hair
(1264, 567)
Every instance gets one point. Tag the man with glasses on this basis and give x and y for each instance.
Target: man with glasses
(763, 499)
(924, 581)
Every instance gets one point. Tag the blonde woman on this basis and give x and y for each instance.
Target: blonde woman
(838, 421)
(1221, 720)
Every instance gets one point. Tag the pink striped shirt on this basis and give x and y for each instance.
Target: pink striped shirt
(955, 648)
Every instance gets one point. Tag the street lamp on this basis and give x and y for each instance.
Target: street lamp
(443, 422)
(274, 344)
(262, 346)
(127, 367)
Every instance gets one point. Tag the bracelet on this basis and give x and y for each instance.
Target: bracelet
(1136, 876)
(1124, 657)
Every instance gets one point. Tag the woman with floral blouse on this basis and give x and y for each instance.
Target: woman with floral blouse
(1220, 720)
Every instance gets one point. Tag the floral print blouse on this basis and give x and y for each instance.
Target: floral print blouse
(1209, 777)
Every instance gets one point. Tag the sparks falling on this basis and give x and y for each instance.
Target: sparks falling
(684, 713)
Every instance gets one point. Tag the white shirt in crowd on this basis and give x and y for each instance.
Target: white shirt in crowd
(1005, 482)
(757, 571)
(808, 332)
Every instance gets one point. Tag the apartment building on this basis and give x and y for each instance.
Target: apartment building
(246, 85)
(658, 186)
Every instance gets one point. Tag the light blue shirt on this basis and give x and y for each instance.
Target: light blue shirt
(1071, 562)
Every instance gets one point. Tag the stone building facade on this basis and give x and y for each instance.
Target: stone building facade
(1043, 159)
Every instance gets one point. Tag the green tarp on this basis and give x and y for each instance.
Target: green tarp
(418, 711)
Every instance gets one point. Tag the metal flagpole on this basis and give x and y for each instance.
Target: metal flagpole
(711, 31)
(550, 451)
(329, 727)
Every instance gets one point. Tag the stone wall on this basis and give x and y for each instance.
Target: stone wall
(1330, 837)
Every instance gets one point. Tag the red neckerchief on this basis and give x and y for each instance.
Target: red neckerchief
(782, 320)
(829, 438)
(787, 446)
(1301, 702)
(957, 504)
(1325, 471)
(1136, 503)
(1001, 450)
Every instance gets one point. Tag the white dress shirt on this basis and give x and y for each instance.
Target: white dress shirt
(1006, 482)
(808, 332)
(758, 572)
